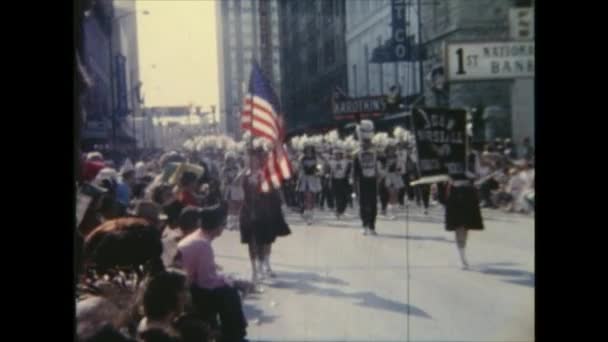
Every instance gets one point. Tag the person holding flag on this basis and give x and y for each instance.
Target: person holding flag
(261, 217)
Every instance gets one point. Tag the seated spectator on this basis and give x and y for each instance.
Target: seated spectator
(515, 188)
(107, 333)
(151, 212)
(526, 151)
(124, 243)
(510, 151)
(188, 221)
(212, 293)
(525, 177)
(487, 183)
(501, 197)
(164, 301)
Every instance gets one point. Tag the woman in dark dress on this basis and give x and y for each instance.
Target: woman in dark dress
(462, 212)
(261, 218)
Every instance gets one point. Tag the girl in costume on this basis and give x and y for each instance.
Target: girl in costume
(462, 212)
(261, 217)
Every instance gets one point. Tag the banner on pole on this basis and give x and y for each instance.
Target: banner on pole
(440, 135)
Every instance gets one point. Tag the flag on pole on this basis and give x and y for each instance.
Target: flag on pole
(261, 118)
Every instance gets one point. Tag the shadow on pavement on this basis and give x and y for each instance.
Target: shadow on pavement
(302, 286)
(420, 218)
(310, 277)
(416, 237)
(254, 314)
(519, 277)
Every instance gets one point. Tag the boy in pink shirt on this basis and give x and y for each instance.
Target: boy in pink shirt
(212, 293)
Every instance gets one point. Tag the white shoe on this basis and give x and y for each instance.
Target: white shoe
(463, 259)
(267, 269)
(373, 232)
(261, 272)
(365, 231)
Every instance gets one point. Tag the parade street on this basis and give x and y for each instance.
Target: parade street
(334, 284)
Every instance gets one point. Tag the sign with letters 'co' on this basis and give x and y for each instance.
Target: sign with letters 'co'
(486, 61)
(398, 23)
(440, 141)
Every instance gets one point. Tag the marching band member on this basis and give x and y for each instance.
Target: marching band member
(392, 178)
(340, 173)
(233, 190)
(365, 175)
(403, 138)
(379, 141)
(309, 182)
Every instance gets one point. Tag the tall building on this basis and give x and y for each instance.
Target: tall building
(125, 45)
(314, 60)
(368, 26)
(97, 101)
(505, 105)
(248, 30)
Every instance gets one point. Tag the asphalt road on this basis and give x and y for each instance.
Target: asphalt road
(406, 284)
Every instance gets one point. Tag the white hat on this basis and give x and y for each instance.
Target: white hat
(380, 139)
(127, 167)
(140, 169)
(94, 156)
(365, 130)
(106, 173)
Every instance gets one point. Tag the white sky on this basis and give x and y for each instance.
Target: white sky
(178, 52)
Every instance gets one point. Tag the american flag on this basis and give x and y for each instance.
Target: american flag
(261, 118)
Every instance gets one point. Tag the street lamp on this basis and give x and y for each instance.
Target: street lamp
(112, 87)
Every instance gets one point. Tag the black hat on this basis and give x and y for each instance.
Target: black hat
(214, 216)
(189, 217)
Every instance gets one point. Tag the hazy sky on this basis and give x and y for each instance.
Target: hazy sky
(178, 52)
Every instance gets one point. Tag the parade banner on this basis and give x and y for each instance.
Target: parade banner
(440, 135)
